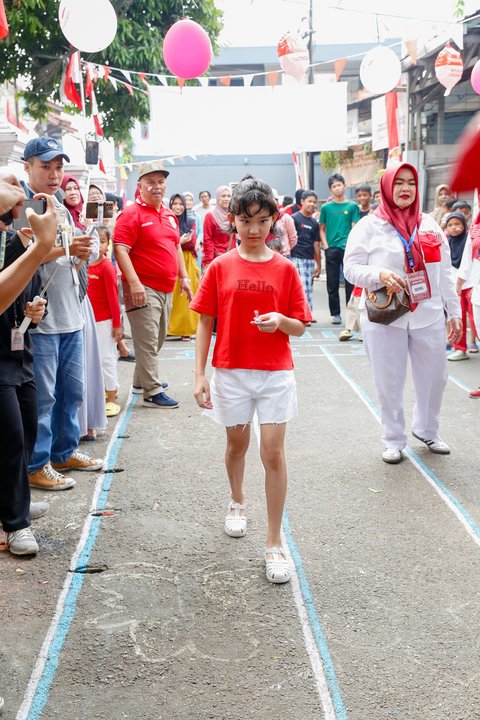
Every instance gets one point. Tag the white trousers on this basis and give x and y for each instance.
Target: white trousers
(108, 354)
(388, 349)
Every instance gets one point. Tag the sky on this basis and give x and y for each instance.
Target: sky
(263, 22)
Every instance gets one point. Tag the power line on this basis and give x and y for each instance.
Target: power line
(402, 17)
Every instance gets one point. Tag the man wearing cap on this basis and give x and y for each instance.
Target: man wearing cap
(148, 251)
(57, 343)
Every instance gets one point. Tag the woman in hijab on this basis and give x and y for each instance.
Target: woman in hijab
(398, 247)
(73, 200)
(217, 238)
(194, 215)
(183, 321)
(442, 194)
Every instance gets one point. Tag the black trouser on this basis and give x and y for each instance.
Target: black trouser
(18, 431)
(333, 263)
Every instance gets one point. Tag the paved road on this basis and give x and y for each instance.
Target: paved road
(381, 620)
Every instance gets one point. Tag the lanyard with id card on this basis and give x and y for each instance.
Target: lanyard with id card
(417, 281)
(17, 336)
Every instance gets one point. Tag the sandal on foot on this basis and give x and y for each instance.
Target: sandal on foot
(236, 525)
(277, 567)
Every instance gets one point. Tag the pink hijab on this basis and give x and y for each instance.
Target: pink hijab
(219, 213)
(406, 221)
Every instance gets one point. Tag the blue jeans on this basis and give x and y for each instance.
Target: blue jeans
(58, 366)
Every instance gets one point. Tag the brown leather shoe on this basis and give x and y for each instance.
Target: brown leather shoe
(79, 461)
(49, 479)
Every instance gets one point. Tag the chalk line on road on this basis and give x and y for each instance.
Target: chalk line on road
(469, 524)
(45, 668)
(313, 634)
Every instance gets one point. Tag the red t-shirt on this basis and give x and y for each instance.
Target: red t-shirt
(103, 292)
(231, 290)
(215, 242)
(153, 237)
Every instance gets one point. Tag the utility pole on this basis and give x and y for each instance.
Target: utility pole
(311, 80)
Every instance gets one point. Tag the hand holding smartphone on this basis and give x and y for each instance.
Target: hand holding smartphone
(38, 206)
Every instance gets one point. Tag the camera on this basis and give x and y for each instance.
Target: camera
(92, 211)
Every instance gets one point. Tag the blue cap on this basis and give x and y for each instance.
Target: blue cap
(46, 148)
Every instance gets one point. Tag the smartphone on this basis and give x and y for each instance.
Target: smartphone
(38, 206)
(91, 152)
(92, 210)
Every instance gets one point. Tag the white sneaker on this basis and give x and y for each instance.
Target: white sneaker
(2, 705)
(22, 542)
(392, 456)
(38, 509)
(435, 445)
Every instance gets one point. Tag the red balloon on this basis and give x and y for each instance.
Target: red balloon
(187, 50)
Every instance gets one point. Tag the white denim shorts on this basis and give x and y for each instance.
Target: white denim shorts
(237, 394)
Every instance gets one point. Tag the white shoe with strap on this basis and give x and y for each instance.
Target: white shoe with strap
(236, 524)
(277, 567)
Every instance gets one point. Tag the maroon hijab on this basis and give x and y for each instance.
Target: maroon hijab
(407, 220)
(75, 210)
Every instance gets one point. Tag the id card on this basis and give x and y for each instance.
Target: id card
(17, 340)
(418, 287)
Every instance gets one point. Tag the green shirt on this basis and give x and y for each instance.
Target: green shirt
(338, 219)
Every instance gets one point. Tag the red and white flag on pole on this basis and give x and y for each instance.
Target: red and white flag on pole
(96, 118)
(394, 150)
(3, 22)
(71, 76)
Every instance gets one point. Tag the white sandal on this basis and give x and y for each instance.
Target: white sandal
(236, 525)
(277, 567)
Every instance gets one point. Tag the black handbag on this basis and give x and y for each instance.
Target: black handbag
(384, 305)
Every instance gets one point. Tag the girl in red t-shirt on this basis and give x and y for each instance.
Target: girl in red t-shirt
(259, 301)
(103, 294)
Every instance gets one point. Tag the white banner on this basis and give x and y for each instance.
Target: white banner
(245, 120)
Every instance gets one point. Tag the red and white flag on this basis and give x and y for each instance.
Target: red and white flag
(13, 119)
(394, 149)
(3, 22)
(71, 76)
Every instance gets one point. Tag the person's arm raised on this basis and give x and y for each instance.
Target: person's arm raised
(15, 278)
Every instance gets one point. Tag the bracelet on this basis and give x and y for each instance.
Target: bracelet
(187, 280)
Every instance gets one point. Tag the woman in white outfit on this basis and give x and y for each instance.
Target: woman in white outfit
(383, 249)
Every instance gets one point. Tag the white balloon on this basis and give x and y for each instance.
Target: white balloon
(88, 25)
(380, 70)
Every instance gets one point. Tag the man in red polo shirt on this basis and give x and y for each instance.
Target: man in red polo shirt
(148, 251)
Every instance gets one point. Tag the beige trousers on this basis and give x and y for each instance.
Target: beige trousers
(149, 329)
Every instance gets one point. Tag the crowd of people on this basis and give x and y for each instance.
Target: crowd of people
(183, 271)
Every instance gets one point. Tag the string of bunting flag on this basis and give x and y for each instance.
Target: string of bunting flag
(380, 72)
(105, 72)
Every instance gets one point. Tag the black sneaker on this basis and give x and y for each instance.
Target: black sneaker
(160, 400)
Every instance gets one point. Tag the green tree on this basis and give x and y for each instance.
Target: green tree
(37, 49)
